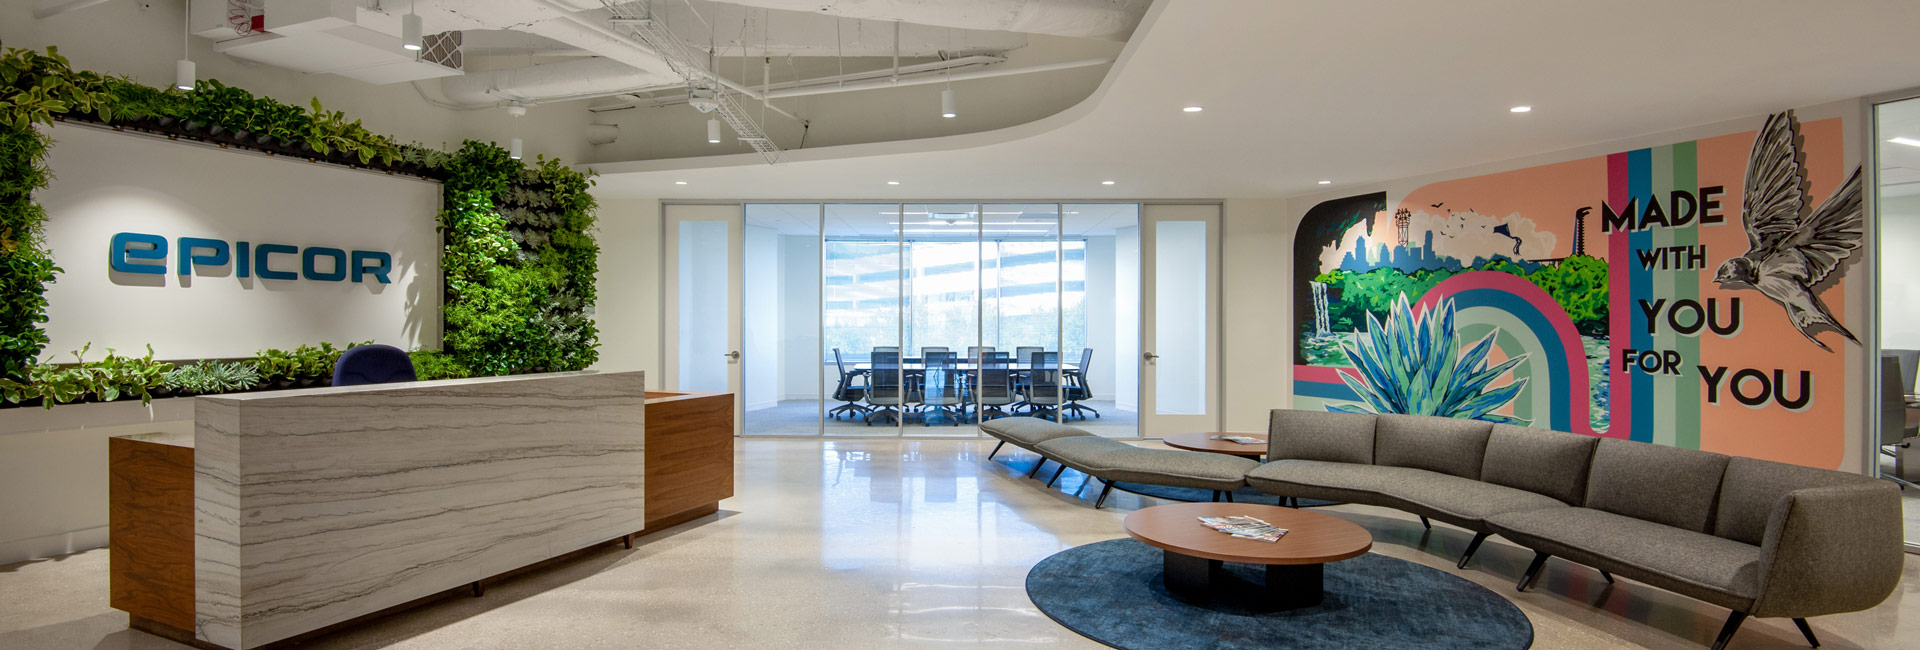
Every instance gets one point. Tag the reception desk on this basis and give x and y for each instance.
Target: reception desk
(292, 512)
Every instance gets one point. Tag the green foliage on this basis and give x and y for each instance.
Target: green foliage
(518, 299)
(108, 379)
(429, 365)
(1413, 365)
(214, 377)
(1578, 284)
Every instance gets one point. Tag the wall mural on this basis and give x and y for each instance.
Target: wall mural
(1684, 295)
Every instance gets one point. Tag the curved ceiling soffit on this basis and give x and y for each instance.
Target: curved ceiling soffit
(936, 144)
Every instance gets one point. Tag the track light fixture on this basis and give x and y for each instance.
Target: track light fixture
(184, 75)
(713, 131)
(513, 149)
(947, 103)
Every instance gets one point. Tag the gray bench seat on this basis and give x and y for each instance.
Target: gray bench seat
(1463, 502)
(1026, 433)
(1114, 461)
(1717, 570)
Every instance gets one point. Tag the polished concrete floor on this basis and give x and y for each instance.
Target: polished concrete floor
(802, 418)
(900, 543)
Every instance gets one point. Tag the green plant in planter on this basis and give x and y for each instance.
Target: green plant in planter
(429, 365)
(108, 379)
(276, 365)
(213, 377)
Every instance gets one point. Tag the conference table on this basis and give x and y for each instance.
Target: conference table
(914, 364)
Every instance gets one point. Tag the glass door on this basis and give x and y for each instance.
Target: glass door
(1179, 327)
(704, 250)
(1895, 453)
(788, 386)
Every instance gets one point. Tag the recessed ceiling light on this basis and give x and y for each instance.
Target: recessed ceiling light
(679, 182)
(1906, 141)
(1326, 182)
(1193, 109)
(1520, 109)
(1106, 182)
(893, 182)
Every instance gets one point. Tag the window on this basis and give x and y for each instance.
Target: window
(1014, 279)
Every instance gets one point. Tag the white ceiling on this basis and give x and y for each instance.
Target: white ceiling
(1357, 92)
(1899, 163)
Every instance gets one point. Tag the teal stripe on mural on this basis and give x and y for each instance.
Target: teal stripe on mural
(1660, 173)
(1686, 285)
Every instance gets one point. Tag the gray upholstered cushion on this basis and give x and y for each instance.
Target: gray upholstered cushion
(1028, 432)
(1542, 461)
(1665, 485)
(1752, 488)
(1320, 435)
(1460, 501)
(1318, 479)
(1444, 445)
(1118, 461)
(1720, 571)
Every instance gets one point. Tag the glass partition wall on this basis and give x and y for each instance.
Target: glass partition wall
(925, 319)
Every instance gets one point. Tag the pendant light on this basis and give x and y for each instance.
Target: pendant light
(185, 77)
(513, 149)
(410, 31)
(946, 103)
(713, 131)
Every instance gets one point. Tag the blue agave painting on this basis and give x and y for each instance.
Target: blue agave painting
(1414, 365)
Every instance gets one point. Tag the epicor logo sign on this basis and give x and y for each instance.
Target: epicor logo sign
(143, 253)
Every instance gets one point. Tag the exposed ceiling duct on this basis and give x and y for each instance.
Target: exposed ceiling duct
(812, 33)
(1112, 20)
(581, 78)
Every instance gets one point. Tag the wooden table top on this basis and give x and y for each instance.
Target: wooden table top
(1205, 442)
(1312, 538)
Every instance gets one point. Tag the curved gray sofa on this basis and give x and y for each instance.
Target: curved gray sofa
(1112, 461)
(1760, 538)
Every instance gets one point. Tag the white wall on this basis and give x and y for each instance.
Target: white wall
(801, 372)
(1101, 323)
(628, 310)
(1257, 367)
(1126, 339)
(109, 182)
(760, 318)
(1899, 293)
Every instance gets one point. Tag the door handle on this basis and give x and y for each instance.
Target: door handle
(733, 356)
(1148, 356)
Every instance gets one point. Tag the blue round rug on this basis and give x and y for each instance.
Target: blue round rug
(1111, 592)
(1196, 495)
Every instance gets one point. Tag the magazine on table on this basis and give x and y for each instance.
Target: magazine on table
(1245, 527)
(1244, 440)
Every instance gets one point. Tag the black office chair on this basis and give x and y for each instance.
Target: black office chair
(1078, 389)
(974, 352)
(1023, 358)
(852, 389)
(1895, 435)
(994, 386)
(940, 389)
(886, 391)
(930, 349)
(372, 364)
(1046, 387)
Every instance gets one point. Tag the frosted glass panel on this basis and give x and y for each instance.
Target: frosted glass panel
(1180, 317)
(703, 306)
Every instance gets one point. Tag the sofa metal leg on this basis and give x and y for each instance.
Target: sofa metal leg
(1726, 631)
(1608, 576)
(1037, 466)
(1427, 524)
(996, 449)
(1471, 547)
(1056, 475)
(1812, 641)
(1103, 494)
(1216, 496)
(1229, 494)
(1533, 569)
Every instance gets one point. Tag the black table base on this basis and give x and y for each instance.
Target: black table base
(1200, 581)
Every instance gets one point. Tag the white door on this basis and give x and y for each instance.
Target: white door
(703, 334)
(1180, 319)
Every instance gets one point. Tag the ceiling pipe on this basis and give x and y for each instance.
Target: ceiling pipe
(1103, 19)
(58, 8)
(934, 79)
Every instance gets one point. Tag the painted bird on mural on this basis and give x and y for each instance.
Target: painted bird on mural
(1793, 250)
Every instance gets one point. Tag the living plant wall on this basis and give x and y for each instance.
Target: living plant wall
(519, 259)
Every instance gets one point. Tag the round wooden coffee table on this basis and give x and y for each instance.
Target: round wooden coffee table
(1295, 564)
(1206, 442)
